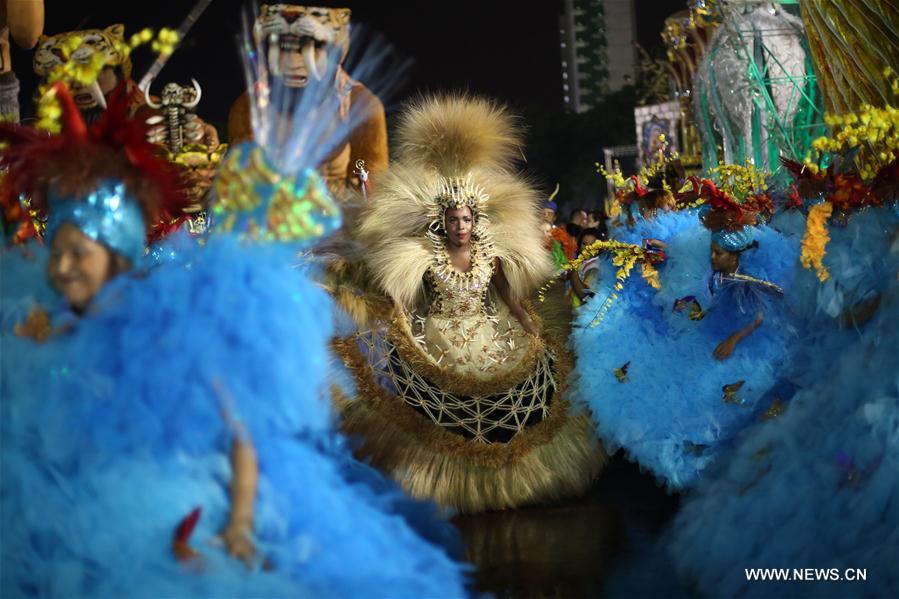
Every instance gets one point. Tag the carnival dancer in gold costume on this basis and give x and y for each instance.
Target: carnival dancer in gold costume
(459, 395)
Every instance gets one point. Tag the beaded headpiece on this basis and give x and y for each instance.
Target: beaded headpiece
(109, 215)
(256, 200)
(734, 241)
(732, 222)
(458, 192)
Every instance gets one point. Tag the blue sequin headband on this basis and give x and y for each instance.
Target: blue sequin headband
(109, 215)
(734, 241)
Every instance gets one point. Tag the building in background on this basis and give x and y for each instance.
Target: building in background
(597, 47)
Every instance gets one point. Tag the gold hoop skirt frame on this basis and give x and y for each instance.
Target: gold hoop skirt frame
(468, 445)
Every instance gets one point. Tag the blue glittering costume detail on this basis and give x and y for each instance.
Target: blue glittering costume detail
(109, 215)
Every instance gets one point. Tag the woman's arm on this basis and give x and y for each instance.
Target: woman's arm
(727, 347)
(239, 531)
(505, 292)
(578, 286)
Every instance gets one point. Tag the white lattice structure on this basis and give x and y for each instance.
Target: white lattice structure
(485, 419)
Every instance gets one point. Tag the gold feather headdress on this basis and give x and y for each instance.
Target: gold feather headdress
(453, 151)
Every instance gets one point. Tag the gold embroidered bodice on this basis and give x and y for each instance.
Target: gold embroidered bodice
(459, 294)
(463, 328)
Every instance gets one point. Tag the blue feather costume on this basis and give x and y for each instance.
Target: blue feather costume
(816, 487)
(117, 427)
(663, 226)
(114, 431)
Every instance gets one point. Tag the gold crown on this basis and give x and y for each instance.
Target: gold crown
(457, 192)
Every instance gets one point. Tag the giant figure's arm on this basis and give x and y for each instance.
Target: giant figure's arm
(368, 141)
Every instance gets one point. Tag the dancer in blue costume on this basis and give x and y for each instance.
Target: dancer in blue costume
(814, 488)
(673, 375)
(198, 383)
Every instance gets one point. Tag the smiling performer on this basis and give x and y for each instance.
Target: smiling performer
(297, 40)
(461, 396)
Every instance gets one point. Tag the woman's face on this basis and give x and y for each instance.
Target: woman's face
(722, 260)
(586, 241)
(78, 266)
(458, 225)
(549, 215)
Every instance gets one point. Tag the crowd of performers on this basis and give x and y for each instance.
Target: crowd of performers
(274, 368)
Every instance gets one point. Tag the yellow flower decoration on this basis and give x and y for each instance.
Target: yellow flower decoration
(814, 243)
(651, 275)
(740, 181)
(615, 177)
(624, 256)
(874, 131)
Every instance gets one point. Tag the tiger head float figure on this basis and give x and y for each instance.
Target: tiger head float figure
(107, 43)
(297, 39)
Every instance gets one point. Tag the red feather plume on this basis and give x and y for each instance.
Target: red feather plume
(727, 213)
(27, 149)
(688, 197)
(638, 187)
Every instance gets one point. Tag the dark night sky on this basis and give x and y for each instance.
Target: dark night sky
(503, 48)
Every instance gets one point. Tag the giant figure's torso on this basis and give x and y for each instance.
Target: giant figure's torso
(368, 141)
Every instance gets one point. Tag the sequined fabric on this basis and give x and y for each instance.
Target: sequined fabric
(109, 215)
